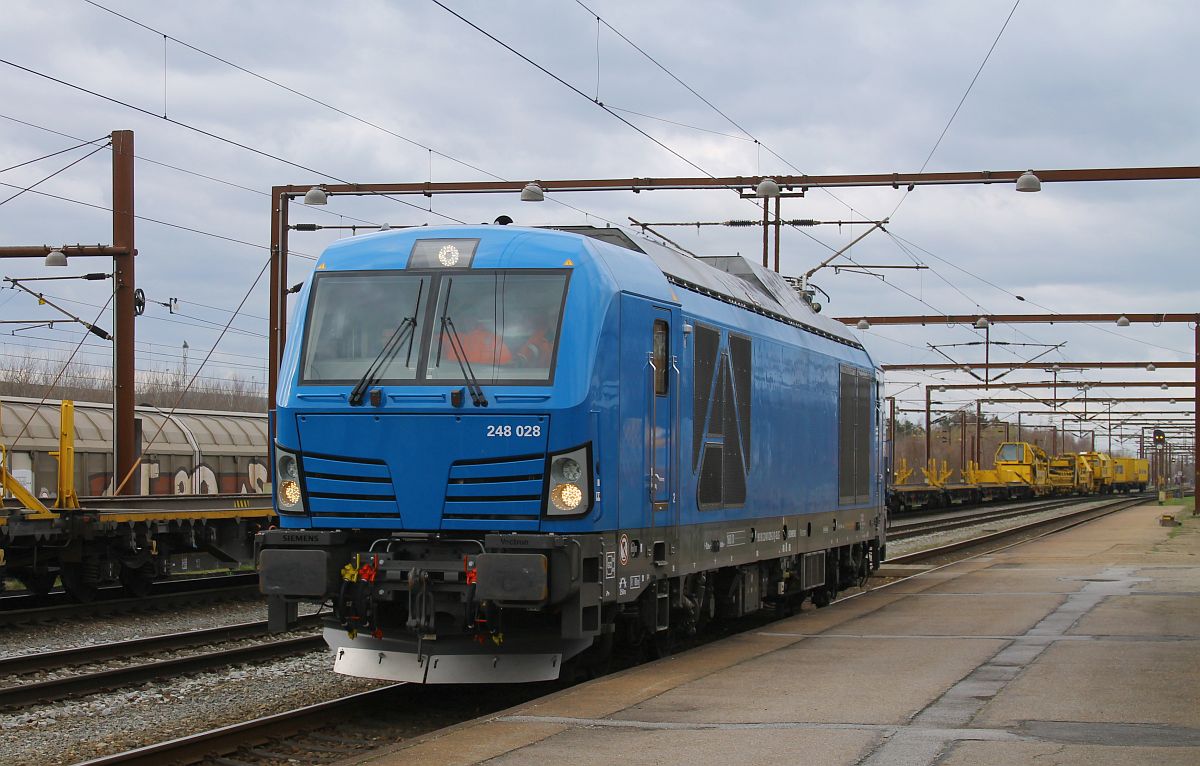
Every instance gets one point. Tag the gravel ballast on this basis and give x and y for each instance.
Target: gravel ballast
(74, 730)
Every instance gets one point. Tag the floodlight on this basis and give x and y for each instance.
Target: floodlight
(767, 188)
(532, 193)
(1028, 182)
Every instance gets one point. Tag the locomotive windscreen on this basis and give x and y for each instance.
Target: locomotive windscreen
(505, 323)
(351, 319)
(495, 326)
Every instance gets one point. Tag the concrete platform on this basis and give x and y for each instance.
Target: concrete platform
(1080, 648)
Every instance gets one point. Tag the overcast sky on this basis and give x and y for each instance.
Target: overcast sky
(847, 87)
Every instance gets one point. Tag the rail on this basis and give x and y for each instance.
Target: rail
(174, 593)
(55, 660)
(906, 528)
(227, 739)
(89, 683)
(1051, 525)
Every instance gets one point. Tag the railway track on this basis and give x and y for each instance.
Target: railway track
(1025, 531)
(36, 692)
(258, 734)
(903, 529)
(22, 609)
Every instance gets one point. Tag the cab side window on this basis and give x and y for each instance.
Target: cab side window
(660, 357)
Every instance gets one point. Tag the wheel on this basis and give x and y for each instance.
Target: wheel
(77, 583)
(660, 645)
(593, 662)
(823, 597)
(137, 580)
(36, 581)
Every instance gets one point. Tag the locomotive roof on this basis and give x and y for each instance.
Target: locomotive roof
(731, 276)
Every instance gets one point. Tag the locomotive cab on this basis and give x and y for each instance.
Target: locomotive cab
(434, 442)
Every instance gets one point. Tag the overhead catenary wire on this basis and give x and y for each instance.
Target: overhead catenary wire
(961, 101)
(63, 169)
(50, 388)
(635, 127)
(211, 134)
(235, 371)
(1030, 301)
(222, 310)
(52, 154)
(338, 110)
(294, 91)
(163, 223)
(235, 330)
(143, 346)
(682, 124)
(745, 131)
(178, 169)
(148, 350)
(751, 136)
(901, 245)
(138, 461)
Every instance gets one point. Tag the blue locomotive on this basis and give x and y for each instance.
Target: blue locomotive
(497, 449)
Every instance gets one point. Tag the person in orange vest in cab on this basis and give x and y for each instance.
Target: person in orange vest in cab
(480, 344)
(537, 348)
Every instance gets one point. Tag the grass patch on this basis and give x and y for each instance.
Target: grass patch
(1186, 503)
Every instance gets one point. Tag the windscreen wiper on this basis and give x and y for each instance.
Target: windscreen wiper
(389, 350)
(477, 397)
(456, 344)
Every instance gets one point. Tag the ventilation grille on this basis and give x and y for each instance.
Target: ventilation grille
(812, 574)
(349, 487)
(507, 488)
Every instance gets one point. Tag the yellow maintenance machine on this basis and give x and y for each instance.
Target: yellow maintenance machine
(1024, 464)
(1130, 474)
(1071, 474)
(1102, 470)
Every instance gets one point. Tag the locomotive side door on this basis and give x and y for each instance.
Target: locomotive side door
(649, 414)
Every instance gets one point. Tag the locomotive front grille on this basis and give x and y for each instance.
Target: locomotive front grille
(504, 488)
(340, 487)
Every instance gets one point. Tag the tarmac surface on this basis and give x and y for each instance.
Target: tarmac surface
(1082, 647)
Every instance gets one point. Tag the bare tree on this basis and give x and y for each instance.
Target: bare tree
(35, 378)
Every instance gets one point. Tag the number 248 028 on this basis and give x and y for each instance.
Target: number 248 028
(506, 430)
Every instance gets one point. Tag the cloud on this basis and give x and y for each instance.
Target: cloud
(832, 88)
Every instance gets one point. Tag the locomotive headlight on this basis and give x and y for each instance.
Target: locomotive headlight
(287, 466)
(288, 496)
(566, 497)
(289, 493)
(569, 483)
(568, 469)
